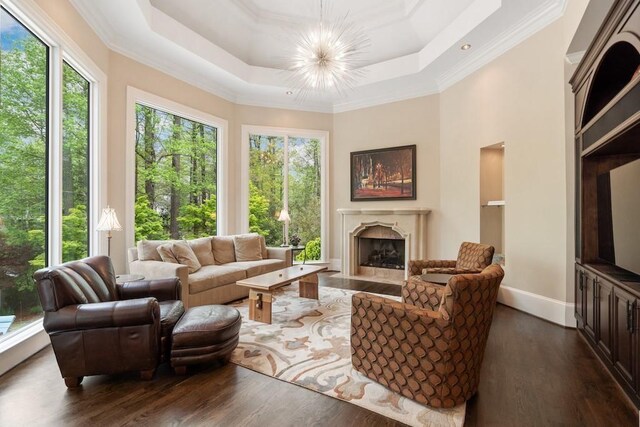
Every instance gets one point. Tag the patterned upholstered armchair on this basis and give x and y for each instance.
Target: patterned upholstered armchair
(430, 346)
(472, 258)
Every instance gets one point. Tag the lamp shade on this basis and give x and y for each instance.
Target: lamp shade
(284, 216)
(108, 220)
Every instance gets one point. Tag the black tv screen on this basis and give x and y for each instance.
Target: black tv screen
(625, 215)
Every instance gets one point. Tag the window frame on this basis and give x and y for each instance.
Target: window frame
(16, 347)
(323, 137)
(138, 96)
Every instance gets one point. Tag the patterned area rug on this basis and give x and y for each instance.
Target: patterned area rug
(308, 344)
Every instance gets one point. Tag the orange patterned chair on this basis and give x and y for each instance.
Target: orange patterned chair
(430, 346)
(472, 258)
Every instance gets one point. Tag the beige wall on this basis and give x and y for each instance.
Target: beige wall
(518, 99)
(414, 121)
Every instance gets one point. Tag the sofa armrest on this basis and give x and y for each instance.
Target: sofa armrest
(417, 265)
(160, 289)
(163, 270)
(110, 314)
(283, 253)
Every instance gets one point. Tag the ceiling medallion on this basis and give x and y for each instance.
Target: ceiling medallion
(328, 56)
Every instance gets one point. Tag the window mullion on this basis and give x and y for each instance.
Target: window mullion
(54, 208)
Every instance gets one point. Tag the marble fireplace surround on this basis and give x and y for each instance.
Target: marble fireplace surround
(410, 223)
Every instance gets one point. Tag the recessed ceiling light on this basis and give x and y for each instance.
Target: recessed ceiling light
(289, 92)
(465, 46)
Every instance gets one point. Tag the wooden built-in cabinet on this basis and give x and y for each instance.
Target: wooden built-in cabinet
(606, 85)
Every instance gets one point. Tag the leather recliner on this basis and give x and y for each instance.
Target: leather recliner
(99, 327)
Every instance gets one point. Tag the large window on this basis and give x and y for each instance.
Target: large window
(175, 176)
(285, 172)
(45, 163)
(23, 170)
(75, 164)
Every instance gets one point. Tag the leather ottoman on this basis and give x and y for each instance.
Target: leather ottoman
(204, 334)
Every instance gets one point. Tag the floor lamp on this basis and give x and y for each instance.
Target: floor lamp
(108, 222)
(284, 217)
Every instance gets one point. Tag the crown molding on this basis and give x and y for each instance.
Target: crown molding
(575, 57)
(507, 40)
(372, 101)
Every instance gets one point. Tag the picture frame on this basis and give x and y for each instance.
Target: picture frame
(383, 174)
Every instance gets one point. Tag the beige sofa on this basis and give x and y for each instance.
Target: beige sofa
(214, 282)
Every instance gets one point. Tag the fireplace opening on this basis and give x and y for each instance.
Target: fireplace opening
(382, 253)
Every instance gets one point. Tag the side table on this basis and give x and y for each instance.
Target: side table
(124, 278)
(299, 248)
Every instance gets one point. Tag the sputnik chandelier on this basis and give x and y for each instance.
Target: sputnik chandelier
(328, 56)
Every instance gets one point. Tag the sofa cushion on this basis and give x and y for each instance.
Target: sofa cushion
(247, 247)
(223, 251)
(185, 256)
(148, 249)
(203, 249)
(167, 254)
(213, 276)
(263, 244)
(262, 266)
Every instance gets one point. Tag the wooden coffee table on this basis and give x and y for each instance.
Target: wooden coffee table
(261, 288)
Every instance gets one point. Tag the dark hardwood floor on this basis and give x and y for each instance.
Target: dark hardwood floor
(534, 374)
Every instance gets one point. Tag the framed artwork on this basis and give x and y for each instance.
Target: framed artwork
(384, 174)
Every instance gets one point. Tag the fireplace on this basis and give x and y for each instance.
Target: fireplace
(382, 253)
(379, 243)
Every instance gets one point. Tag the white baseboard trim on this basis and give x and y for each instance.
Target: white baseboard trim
(550, 309)
(24, 344)
(335, 264)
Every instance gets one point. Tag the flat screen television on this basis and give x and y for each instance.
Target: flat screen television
(625, 215)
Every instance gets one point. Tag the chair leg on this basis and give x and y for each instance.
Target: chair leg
(146, 375)
(180, 370)
(73, 382)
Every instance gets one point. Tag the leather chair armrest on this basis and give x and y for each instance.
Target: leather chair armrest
(160, 289)
(422, 294)
(108, 314)
(283, 253)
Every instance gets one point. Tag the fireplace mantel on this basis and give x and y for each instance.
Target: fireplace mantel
(410, 223)
(371, 211)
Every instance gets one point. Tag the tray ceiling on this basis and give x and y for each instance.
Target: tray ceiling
(238, 49)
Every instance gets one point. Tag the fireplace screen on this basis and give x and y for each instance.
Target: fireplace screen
(382, 253)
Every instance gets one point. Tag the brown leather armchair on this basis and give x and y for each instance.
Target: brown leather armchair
(98, 327)
(430, 346)
(472, 258)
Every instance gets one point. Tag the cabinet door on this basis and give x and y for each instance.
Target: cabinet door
(589, 309)
(604, 298)
(624, 339)
(579, 297)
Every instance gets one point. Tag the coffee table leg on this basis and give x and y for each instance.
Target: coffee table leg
(260, 306)
(309, 286)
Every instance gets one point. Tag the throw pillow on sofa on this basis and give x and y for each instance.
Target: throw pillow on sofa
(223, 250)
(248, 247)
(185, 256)
(166, 253)
(148, 249)
(202, 247)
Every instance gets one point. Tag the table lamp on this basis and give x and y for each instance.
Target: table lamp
(284, 217)
(108, 222)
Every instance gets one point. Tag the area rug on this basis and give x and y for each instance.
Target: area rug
(308, 344)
